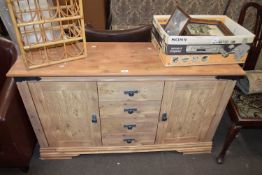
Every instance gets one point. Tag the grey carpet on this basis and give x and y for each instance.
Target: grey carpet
(244, 158)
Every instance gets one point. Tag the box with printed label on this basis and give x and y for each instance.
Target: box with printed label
(202, 50)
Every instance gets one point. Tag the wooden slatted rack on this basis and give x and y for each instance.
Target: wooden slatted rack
(48, 28)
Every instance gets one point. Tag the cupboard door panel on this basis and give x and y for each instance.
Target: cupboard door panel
(187, 110)
(66, 110)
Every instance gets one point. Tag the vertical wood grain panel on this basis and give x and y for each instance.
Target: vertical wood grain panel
(229, 87)
(65, 110)
(191, 107)
(32, 113)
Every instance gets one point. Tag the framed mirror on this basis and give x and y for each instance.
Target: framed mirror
(177, 22)
(203, 27)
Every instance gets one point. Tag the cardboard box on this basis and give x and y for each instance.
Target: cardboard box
(201, 50)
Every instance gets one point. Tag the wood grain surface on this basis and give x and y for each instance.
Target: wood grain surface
(143, 109)
(116, 91)
(117, 125)
(118, 139)
(121, 59)
(65, 110)
(190, 108)
(69, 152)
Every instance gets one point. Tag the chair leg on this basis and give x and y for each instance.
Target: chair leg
(232, 132)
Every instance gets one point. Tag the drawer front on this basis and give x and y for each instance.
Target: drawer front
(128, 139)
(129, 109)
(129, 125)
(137, 91)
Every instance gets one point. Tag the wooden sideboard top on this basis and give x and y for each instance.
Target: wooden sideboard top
(121, 59)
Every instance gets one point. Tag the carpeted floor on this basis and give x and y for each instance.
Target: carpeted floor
(244, 158)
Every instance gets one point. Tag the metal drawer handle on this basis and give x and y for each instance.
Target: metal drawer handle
(94, 118)
(131, 93)
(130, 110)
(130, 127)
(164, 117)
(129, 140)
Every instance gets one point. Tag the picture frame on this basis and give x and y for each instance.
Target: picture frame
(204, 27)
(177, 22)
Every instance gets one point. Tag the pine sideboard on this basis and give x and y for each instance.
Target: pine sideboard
(121, 99)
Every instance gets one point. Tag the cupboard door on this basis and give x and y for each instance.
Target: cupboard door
(68, 112)
(187, 110)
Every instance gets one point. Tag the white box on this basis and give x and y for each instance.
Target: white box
(202, 50)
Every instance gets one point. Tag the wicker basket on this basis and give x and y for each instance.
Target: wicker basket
(48, 31)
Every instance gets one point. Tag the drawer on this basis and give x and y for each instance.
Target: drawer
(129, 109)
(128, 139)
(138, 91)
(128, 125)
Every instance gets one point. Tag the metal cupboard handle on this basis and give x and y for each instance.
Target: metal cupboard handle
(129, 140)
(131, 93)
(94, 118)
(164, 117)
(130, 110)
(130, 127)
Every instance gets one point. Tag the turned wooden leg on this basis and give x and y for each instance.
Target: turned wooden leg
(232, 132)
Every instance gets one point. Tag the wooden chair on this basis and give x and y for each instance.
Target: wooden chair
(245, 110)
(140, 34)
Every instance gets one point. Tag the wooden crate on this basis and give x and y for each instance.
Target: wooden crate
(48, 32)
